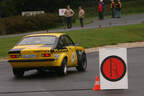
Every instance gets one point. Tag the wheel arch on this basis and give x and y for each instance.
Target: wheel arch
(64, 56)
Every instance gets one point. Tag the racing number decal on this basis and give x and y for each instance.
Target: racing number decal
(73, 57)
(113, 68)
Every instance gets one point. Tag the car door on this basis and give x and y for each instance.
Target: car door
(62, 44)
(71, 50)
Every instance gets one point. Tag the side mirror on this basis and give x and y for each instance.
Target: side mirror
(77, 44)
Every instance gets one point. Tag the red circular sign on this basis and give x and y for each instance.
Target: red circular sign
(113, 68)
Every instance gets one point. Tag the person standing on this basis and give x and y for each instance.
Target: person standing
(103, 5)
(113, 8)
(118, 6)
(68, 14)
(100, 10)
(81, 15)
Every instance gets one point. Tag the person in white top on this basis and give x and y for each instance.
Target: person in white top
(68, 14)
(81, 15)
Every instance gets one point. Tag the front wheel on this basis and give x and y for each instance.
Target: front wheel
(18, 73)
(82, 64)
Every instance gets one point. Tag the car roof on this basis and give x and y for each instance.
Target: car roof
(46, 34)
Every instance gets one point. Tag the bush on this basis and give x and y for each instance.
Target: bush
(20, 24)
(0, 27)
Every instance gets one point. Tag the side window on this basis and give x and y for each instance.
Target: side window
(68, 41)
(61, 42)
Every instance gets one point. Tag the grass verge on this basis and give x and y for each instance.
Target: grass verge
(91, 37)
(129, 7)
(108, 36)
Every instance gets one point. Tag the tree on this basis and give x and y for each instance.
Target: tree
(7, 8)
(15, 7)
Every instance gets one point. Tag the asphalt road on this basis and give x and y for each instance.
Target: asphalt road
(75, 84)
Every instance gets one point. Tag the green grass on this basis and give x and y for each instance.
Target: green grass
(6, 44)
(128, 8)
(133, 7)
(91, 37)
(76, 23)
(86, 21)
(108, 36)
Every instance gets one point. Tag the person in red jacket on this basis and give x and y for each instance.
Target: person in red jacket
(100, 10)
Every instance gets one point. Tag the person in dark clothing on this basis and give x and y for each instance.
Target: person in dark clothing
(103, 5)
(68, 14)
(100, 10)
(118, 7)
(81, 15)
(113, 8)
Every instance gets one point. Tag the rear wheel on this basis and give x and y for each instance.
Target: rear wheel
(18, 73)
(82, 64)
(63, 70)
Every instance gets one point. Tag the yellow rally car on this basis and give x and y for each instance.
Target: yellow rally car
(47, 51)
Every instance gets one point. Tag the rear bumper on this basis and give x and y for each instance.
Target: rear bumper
(33, 60)
(35, 63)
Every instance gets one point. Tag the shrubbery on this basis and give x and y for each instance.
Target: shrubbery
(20, 24)
(0, 27)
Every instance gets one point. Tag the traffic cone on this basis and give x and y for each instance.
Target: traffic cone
(97, 84)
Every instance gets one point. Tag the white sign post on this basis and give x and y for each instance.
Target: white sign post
(113, 68)
(62, 12)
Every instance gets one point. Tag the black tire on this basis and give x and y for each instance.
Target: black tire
(63, 69)
(82, 63)
(18, 73)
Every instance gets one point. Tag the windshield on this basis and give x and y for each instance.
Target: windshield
(35, 40)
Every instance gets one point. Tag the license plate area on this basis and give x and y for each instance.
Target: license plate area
(29, 56)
